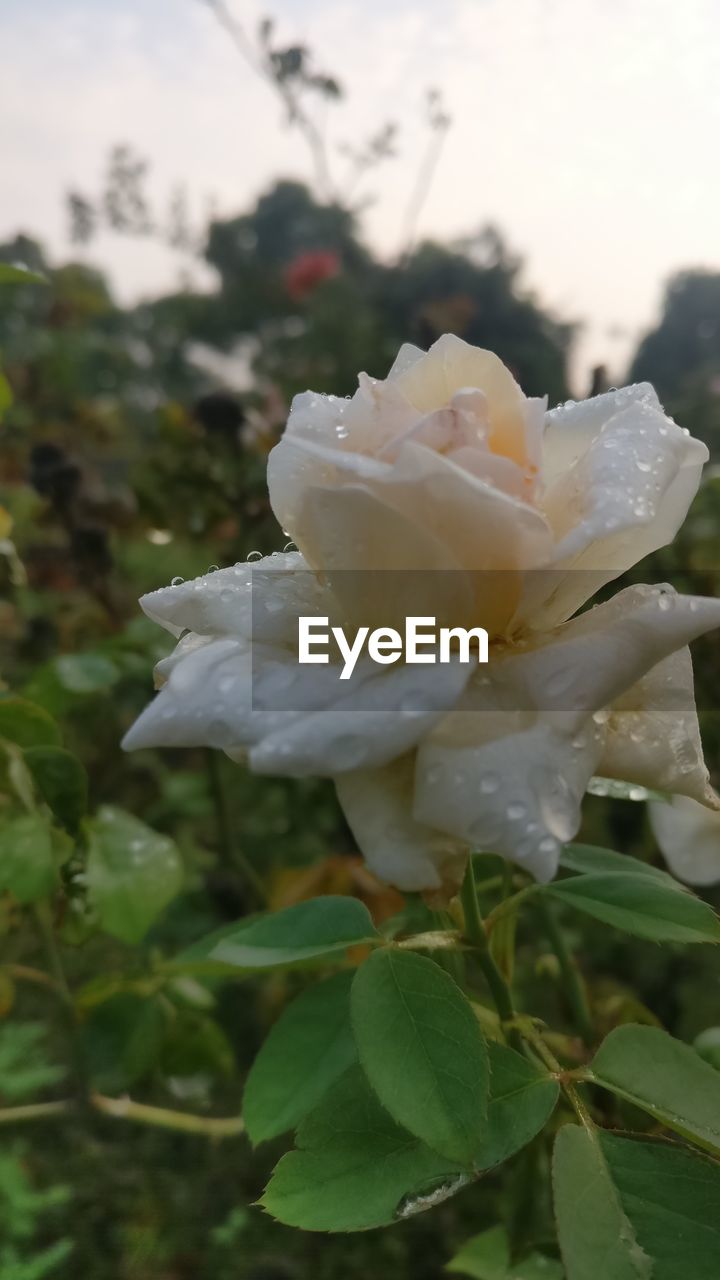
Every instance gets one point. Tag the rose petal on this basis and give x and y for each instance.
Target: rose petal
(377, 804)
(507, 783)
(689, 838)
(625, 494)
(262, 599)
(507, 771)
(452, 365)
(259, 703)
(653, 736)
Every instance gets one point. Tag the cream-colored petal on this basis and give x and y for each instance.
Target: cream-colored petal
(257, 703)
(263, 598)
(378, 806)
(507, 770)
(653, 736)
(688, 835)
(624, 496)
(592, 660)
(452, 365)
(364, 722)
(507, 782)
(571, 428)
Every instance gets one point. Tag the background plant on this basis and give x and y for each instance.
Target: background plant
(134, 445)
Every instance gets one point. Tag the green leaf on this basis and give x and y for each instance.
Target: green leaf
(195, 1046)
(121, 1040)
(592, 859)
(422, 1050)
(487, 1257)
(641, 905)
(355, 1168)
(597, 1239)
(308, 1049)
(27, 863)
(86, 672)
(672, 1198)
(26, 724)
(15, 273)
(6, 396)
(61, 781)
(665, 1077)
(133, 872)
(707, 1045)
(24, 1067)
(522, 1099)
(298, 933)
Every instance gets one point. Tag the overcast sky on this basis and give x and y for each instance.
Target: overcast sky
(586, 129)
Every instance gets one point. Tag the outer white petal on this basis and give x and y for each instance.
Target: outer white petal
(507, 771)
(689, 837)
(378, 806)
(571, 428)
(262, 599)
(508, 783)
(365, 722)
(592, 660)
(257, 703)
(625, 493)
(653, 736)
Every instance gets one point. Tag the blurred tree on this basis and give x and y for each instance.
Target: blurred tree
(681, 356)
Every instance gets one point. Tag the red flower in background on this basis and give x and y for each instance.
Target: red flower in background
(308, 270)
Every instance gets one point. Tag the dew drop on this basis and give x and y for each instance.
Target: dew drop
(253, 556)
(489, 784)
(177, 582)
(548, 845)
(515, 812)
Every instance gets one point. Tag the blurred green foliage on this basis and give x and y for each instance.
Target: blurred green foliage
(134, 448)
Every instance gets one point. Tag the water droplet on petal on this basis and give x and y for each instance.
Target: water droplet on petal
(177, 582)
(489, 784)
(254, 555)
(548, 846)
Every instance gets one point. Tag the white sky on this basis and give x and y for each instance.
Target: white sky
(586, 129)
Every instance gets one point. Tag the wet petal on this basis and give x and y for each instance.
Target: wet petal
(257, 703)
(263, 598)
(625, 495)
(378, 806)
(507, 783)
(653, 736)
(689, 838)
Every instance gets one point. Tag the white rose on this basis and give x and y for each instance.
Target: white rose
(447, 466)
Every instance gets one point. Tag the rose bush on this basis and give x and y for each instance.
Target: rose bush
(515, 516)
